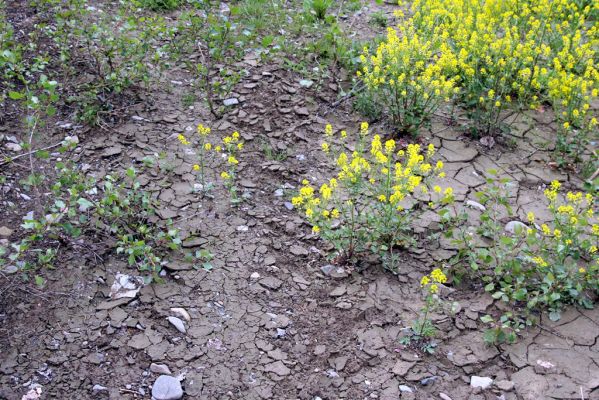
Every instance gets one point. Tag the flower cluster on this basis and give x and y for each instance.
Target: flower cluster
(541, 266)
(409, 76)
(229, 148)
(501, 57)
(431, 282)
(369, 203)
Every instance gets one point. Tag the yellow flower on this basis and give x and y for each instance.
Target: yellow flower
(539, 261)
(531, 217)
(235, 135)
(425, 280)
(232, 160)
(343, 134)
(218, 148)
(582, 270)
(335, 213)
(203, 130)
(434, 288)
(382, 198)
(557, 233)
(239, 146)
(364, 128)
(196, 167)
(328, 130)
(225, 175)
(325, 147)
(182, 139)
(207, 146)
(546, 230)
(315, 229)
(438, 276)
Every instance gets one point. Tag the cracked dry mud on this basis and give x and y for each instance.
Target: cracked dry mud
(266, 322)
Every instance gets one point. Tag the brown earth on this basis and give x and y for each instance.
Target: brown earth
(269, 322)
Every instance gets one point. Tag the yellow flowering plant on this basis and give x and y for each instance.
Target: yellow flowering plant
(370, 201)
(231, 146)
(423, 330)
(202, 148)
(537, 267)
(505, 58)
(408, 76)
(228, 150)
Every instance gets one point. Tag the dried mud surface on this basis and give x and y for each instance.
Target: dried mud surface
(268, 322)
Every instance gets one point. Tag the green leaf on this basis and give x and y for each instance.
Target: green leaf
(84, 204)
(555, 316)
(39, 281)
(15, 95)
(486, 319)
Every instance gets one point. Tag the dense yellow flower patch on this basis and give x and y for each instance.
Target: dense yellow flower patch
(500, 56)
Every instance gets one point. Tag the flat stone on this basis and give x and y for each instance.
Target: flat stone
(5, 231)
(405, 388)
(117, 315)
(303, 111)
(177, 323)
(231, 102)
(182, 313)
(505, 385)
(271, 283)
(110, 304)
(338, 291)
(160, 369)
(139, 341)
(13, 147)
(99, 389)
(333, 272)
(255, 276)
(298, 250)
(482, 382)
(402, 367)
(457, 151)
(167, 388)
(278, 368)
(475, 205)
(513, 226)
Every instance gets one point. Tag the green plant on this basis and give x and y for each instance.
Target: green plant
(118, 51)
(203, 148)
(423, 329)
(408, 77)
(116, 209)
(536, 267)
(230, 147)
(215, 36)
(504, 330)
(158, 5)
(379, 19)
(370, 202)
(271, 153)
(317, 8)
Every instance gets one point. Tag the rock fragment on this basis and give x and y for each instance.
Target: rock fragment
(167, 388)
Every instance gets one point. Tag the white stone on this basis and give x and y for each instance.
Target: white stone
(482, 382)
(512, 226)
(474, 204)
(167, 388)
(177, 323)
